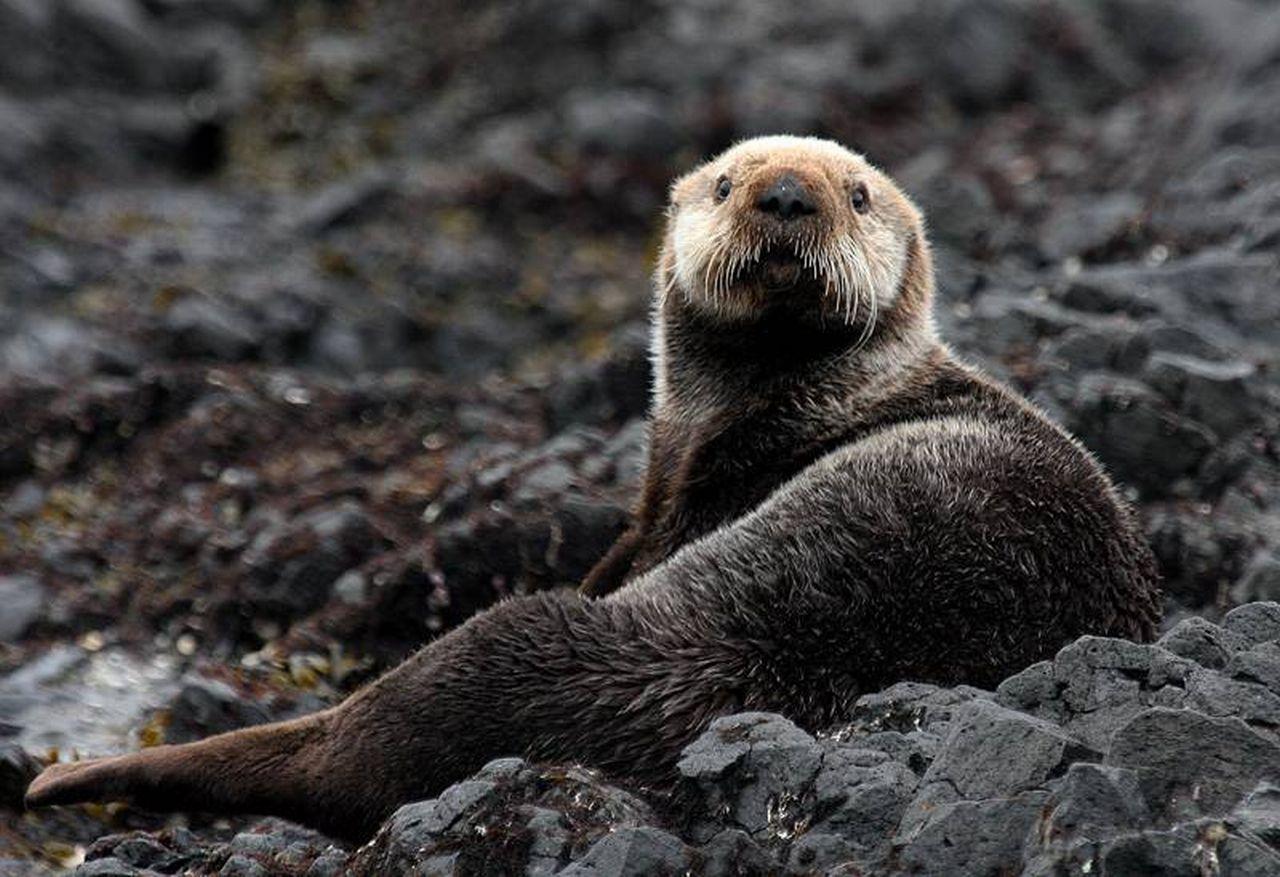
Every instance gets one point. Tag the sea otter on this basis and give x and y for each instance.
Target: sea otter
(833, 503)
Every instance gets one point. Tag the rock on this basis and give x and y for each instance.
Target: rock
(1259, 814)
(1143, 440)
(1203, 642)
(414, 829)
(339, 203)
(205, 706)
(59, 346)
(17, 770)
(1089, 348)
(1215, 695)
(1190, 764)
(631, 124)
(510, 818)
(1259, 664)
(1088, 224)
(971, 837)
(109, 867)
(1197, 552)
(732, 853)
(172, 851)
(613, 390)
(23, 599)
(110, 41)
(992, 752)
(1094, 799)
(858, 803)
(24, 34)
(294, 565)
(544, 483)
(1097, 671)
(633, 852)
(1030, 688)
(199, 326)
(911, 706)
(744, 769)
(332, 863)
(1261, 579)
(1256, 622)
(1216, 394)
(242, 866)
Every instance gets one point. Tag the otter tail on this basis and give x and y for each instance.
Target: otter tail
(276, 770)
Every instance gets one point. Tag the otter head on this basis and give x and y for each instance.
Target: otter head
(795, 225)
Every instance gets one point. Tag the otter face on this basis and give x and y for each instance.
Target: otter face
(795, 223)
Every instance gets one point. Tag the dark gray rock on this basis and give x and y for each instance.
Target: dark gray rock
(331, 863)
(818, 852)
(1139, 435)
(637, 851)
(911, 706)
(750, 771)
(23, 599)
(206, 706)
(914, 750)
(111, 41)
(1097, 672)
(294, 564)
(174, 851)
(1091, 804)
(1259, 814)
(633, 124)
(1190, 764)
(1030, 689)
(1216, 695)
(859, 797)
(1197, 551)
(242, 866)
(1203, 642)
(17, 769)
(1193, 849)
(1094, 798)
(109, 867)
(993, 752)
(733, 853)
(1259, 664)
(201, 326)
(1261, 579)
(1091, 348)
(1084, 225)
(1214, 393)
(971, 837)
(1256, 622)
(339, 203)
(415, 829)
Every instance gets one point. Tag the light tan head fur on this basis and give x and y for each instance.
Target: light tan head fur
(845, 255)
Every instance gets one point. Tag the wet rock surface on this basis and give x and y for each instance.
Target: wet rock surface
(322, 327)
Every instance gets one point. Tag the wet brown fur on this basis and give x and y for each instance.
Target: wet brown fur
(827, 510)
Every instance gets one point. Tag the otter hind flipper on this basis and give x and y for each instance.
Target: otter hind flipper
(267, 769)
(100, 779)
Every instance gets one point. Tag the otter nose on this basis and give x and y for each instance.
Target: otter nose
(787, 198)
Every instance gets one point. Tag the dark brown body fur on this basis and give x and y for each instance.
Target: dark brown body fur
(822, 517)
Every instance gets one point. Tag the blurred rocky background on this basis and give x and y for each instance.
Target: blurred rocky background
(322, 326)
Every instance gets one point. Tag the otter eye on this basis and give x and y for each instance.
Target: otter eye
(860, 199)
(723, 188)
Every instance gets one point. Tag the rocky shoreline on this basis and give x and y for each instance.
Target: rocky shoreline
(1127, 758)
(322, 327)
